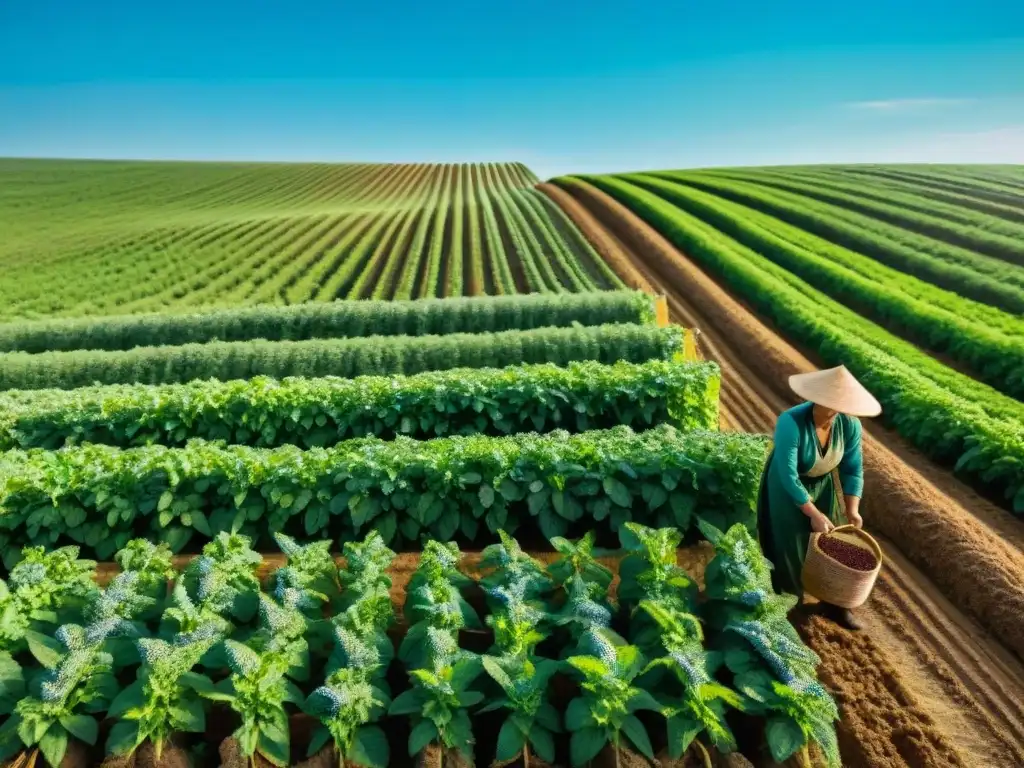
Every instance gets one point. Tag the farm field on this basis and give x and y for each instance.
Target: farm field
(105, 238)
(950, 551)
(290, 464)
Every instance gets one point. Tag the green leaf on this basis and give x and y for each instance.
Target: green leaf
(321, 736)
(189, 719)
(543, 743)
(486, 496)
(785, 737)
(54, 744)
(643, 700)
(585, 745)
(276, 747)
(82, 727)
(370, 748)
(510, 741)
(166, 499)
(682, 505)
(577, 715)
(618, 492)
(637, 734)
(129, 698)
(547, 716)
(47, 650)
(199, 683)
(681, 733)
(406, 703)
(421, 737)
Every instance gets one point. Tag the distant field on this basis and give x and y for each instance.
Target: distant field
(92, 238)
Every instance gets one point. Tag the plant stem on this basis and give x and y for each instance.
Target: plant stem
(526, 756)
(704, 753)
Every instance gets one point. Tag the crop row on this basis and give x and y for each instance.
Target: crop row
(947, 415)
(462, 487)
(319, 412)
(347, 358)
(337, 319)
(987, 341)
(552, 649)
(325, 232)
(969, 274)
(951, 224)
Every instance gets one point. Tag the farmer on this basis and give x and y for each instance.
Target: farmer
(817, 444)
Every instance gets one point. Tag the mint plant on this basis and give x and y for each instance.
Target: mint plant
(165, 699)
(258, 691)
(605, 712)
(693, 703)
(772, 667)
(79, 680)
(532, 721)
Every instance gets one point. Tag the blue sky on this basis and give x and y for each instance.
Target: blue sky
(562, 86)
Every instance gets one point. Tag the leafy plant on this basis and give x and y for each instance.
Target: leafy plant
(508, 564)
(258, 691)
(165, 699)
(578, 559)
(319, 412)
(448, 488)
(605, 713)
(79, 679)
(693, 703)
(440, 697)
(533, 721)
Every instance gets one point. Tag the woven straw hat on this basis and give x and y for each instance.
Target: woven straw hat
(836, 389)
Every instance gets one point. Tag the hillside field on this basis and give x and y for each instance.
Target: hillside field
(408, 464)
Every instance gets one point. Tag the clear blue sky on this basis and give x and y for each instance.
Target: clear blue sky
(560, 85)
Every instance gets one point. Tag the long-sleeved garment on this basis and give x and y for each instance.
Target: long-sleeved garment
(799, 470)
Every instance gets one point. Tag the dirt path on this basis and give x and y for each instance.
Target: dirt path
(954, 684)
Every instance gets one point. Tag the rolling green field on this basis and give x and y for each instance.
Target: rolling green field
(93, 238)
(203, 364)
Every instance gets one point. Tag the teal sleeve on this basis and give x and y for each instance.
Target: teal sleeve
(785, 464)
(851, 468)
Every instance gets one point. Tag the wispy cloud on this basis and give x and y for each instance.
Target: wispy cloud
(907, 105)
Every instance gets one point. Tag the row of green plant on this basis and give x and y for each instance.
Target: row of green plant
(102, 496)
(197, 643)
(969, 274)
(949, 416)
(950, 224)
(250, 248)
(266, 412)
(987, 341)
(347, 358)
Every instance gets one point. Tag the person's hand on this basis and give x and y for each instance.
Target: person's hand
(855, 519)
(820, 523)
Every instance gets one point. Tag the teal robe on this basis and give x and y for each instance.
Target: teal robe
(784, 530)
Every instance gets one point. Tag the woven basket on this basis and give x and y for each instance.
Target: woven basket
(831, 581)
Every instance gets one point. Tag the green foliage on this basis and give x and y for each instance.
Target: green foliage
(79, 679)
(348, 358)
(508, 564)
(649, 571)
(772, 667)
(533, 721)
(258, 691)
(448, 488)
(986, 340)
(354, 695)
(691, 701)
(605, 712)
(952, 418)
(165, 699)
(318, 412)
(42, 588)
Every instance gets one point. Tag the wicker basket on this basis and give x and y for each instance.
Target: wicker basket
(831, 581)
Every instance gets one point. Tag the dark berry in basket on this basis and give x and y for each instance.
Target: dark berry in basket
(848, 554)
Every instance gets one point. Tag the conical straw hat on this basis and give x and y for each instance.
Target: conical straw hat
(837, 389)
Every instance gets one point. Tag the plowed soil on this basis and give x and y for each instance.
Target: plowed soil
(924, 685)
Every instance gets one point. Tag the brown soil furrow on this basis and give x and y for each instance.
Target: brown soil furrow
(965, 682)
(964, 556)
(884, 722)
